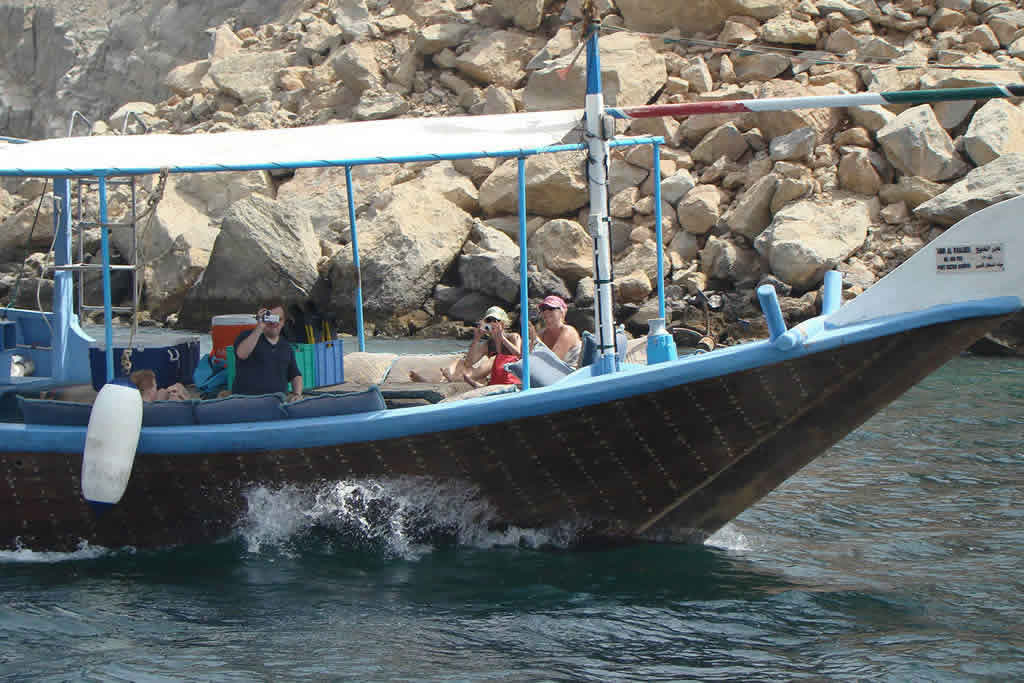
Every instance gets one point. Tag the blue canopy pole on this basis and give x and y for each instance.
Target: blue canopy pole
(524, 281)
(355, 259)
(108, 328)
(657, 230)
(63, 302)
(598, 223)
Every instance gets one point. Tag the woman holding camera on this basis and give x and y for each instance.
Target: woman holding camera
(265, 361)
(490, 338)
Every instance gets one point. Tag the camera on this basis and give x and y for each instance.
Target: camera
(270, 318)
(486, 327)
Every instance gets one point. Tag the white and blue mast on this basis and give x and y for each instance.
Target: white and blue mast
(597, 178)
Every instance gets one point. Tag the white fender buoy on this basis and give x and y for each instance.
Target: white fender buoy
(110, 443)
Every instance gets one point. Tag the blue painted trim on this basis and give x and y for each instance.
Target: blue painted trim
(578, 393)
(524, 281)
(144, 170)
(769, 299)
(832, 298)
(63, 281)
(108, 329)
(355, 259)
(593, 65)
(16, 141)
(658, 231)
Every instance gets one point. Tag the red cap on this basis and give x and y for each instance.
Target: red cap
(554, 302)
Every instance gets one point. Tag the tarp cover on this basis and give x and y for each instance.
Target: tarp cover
(336, 144)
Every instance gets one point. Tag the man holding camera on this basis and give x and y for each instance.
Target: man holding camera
(265, 362)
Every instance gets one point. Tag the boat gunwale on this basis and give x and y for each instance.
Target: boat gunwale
(576, 391)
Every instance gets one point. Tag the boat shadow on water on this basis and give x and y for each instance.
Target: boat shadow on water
(448, 576)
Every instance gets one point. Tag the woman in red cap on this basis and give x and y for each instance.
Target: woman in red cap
(561, 338)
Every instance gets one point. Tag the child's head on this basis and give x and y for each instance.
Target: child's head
(145, 380)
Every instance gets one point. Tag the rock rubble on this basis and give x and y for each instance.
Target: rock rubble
(770, 197)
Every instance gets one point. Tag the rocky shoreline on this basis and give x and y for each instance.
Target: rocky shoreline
(774, 197)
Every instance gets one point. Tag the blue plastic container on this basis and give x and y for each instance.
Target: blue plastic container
(661, 346)
(330, 367)
(174, 360)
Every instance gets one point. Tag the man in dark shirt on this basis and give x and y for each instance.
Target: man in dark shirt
(265, 361)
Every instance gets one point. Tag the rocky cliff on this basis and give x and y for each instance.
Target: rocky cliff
(777, 197)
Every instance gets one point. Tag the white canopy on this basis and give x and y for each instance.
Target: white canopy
(339, 144)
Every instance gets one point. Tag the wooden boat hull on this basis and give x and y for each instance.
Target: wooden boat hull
(671, 465)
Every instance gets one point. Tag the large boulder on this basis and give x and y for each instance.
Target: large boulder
(248, 75)
(775, 123)
(693, 15)
(996, 181)
(405, 246)
(996, 129)
(489, 264)
(752, 212)
(917, 144)
(700, 209)
(498, 58)
(726, 140)
(264, 249)
(632, 71)
(322, 192)
(175, 249)
(563, 247)
(213, 193)
(34, 220)
(724, 259)
(356, 65)
(555, 186)
(808, 237)
(526, 14)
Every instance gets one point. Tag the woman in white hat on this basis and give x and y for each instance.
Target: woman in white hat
(490, 338)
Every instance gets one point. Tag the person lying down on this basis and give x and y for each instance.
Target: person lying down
(145, 380)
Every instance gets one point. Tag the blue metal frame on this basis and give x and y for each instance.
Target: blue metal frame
(355, 259)
(657, 230)
(108, 329)
(524, 280)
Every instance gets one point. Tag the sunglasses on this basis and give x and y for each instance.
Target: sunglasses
(549, 308)
(490, 319)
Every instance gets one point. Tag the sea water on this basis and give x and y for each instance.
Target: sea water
(898, 555)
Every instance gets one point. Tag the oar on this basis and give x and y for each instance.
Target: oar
(818, 101)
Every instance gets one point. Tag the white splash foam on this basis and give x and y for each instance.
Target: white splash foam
(729, 538)
(28, 556)
(400, 517)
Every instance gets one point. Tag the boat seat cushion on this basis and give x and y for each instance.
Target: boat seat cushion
(168, 413)
(324, 405)
(489, 390)
(588, 352)
(46, 412)
(239, 409)
(427, 366)
(636, 351)
(362, 367)
(546, 368)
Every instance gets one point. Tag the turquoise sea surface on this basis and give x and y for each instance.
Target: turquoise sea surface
(898, 555)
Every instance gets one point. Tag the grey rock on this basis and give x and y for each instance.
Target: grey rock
(996, 181)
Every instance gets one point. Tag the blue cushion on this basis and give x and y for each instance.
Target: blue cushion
(588, 353)
(336, 404)
(168, 413)
(239, 409)
(46, 412)
(546, 367)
